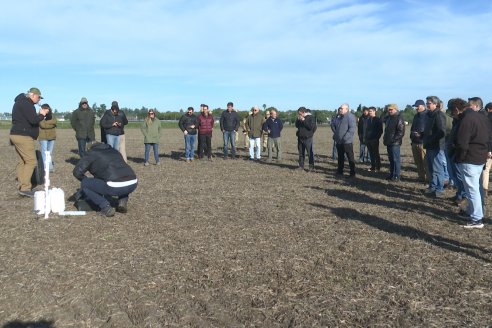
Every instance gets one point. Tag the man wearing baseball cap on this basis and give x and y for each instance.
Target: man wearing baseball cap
(25, 129)
(417, 137)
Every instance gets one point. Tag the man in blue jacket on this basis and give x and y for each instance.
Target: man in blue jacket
(344, 139)
(273, 126)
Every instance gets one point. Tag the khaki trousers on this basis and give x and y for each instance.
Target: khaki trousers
(485, 174)
(418, 152)
(24, 146)
(123, 147)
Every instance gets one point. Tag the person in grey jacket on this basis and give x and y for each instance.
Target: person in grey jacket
(344, 139)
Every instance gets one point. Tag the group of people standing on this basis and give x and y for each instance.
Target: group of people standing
(450, 148)
(255, 126)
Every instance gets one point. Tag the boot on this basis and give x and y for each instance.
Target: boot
(122, 205)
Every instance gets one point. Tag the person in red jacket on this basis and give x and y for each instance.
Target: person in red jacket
(205, 129)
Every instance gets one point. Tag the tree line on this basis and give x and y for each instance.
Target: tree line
(323, 116)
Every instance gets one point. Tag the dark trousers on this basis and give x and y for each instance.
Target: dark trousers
(373, 147)
(204, 145)
(346, 149)
(303, 146)
(82, 144)
(95, 190)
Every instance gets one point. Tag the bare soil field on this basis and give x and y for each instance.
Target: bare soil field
(243, 244)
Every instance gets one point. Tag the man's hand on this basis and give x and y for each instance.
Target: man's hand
(185, 132)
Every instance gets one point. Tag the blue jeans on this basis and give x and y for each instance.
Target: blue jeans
(47, 145)
(230, 136)
(460, 188)
(395, 161)
(190, 146)
(147, 152)
(471, 180)
(95, 190)
(434, 159)
(363, 153)
(82, 144)
(113, 141)
(444, 162)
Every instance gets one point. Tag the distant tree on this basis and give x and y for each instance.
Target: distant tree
(100, 110)
(264, 106)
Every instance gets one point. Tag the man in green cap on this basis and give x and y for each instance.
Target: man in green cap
(25, 129)
(83, 120)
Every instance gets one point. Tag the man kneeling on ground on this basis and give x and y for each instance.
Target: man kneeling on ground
(111, 177)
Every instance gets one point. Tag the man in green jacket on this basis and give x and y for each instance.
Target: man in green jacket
(254, 125)
(83, 120)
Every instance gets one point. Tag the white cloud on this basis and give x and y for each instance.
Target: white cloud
(341, 49)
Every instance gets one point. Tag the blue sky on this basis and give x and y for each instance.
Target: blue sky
(172, 54)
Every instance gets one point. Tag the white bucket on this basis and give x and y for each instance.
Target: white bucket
(57, 200)
(40, 202)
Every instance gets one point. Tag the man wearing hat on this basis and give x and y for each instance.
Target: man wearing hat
(434, 143)
(25, 129)
(113, 122)
(83, 120)
(417, 137)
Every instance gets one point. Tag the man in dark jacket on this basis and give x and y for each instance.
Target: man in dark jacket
(83, 120)
(24, 130)
(229, 124)
(306, 126)
(205, 130)
(434, 143)
(374, 130)
(486, 171)
(472, 148)
(361, 132)
(392, 139)
(113, 122)
(344, 139)
(417, 137)
(273, 126)
(111, 177)
(188, 123)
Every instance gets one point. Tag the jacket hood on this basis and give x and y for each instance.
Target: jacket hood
(20, 97)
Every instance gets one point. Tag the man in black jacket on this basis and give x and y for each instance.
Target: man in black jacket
(306, 126)
(229, 124)
(373, 134)
(188, 123)
(111, 177)
(472, 148)
(434, 143)
(25, 129)
(392, 139)
(113, 122)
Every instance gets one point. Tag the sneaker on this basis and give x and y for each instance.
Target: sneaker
(158, 163)
(146, 164)
(122, 205)
(474, 225)
(26, 193)
(429, 191)
(108, 211)
(395, 179)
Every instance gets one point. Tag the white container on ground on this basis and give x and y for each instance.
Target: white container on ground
(40, 202)
(57, 200)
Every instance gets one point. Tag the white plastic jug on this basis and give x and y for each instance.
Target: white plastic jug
(40, 202)
(57, 200)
